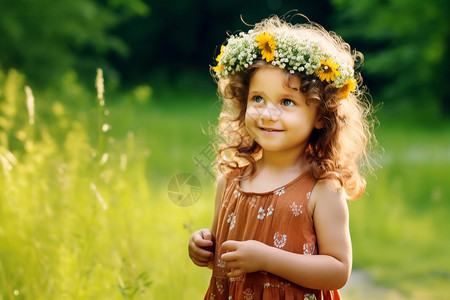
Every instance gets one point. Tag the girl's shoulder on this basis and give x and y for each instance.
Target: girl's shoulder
(326, 194)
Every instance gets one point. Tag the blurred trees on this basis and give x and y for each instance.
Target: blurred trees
(406, 44)
(46, 38)
(185, 34)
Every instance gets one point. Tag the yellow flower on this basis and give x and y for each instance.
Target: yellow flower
(328, 70)
(267, 44)
(218, 68)
(222, 51)
(349, 86)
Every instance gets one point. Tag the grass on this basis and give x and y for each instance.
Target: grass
(84, 219)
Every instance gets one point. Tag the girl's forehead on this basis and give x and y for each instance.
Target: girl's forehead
(274, 74)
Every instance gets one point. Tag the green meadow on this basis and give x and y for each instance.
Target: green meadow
(85, 211)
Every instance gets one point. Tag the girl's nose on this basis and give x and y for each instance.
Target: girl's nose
(270, 112)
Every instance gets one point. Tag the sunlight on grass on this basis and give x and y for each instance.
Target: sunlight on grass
(85, 211)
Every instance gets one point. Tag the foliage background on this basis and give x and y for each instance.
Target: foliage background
(84, 211)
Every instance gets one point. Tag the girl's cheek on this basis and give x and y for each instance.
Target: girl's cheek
(252, 114)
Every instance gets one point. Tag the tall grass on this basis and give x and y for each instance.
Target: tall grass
(84, 210)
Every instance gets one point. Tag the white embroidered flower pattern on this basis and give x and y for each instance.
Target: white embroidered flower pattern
(296, 210)
(308, 195)
(308, 249)
(220, 287)
(279, 240)
(310, 297)
(230, 216)
(252, 202)
(270, 210)
(261, 213)
(248, 294)
(232, 220)
(212, 296)
(280, 191)
(220, 263)
(236, 193)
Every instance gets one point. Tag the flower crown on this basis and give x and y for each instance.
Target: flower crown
(287, 51)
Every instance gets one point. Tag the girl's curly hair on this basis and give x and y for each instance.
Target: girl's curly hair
(335, 152)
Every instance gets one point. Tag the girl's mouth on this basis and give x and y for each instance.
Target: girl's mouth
(270, 129)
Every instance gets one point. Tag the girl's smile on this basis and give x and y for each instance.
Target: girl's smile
(268, 130)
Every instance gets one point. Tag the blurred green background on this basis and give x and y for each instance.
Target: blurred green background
(85, 211)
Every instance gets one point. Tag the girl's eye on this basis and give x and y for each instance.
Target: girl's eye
(258, 99)
(287, 102)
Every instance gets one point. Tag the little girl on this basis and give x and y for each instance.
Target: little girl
(295, 130)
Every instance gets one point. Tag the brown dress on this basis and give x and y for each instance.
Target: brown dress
(278, 218)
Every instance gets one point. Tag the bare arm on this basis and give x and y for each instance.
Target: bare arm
(201, 244)
(221, 183)
(327, 271)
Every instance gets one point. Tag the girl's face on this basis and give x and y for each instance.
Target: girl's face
(278, 117)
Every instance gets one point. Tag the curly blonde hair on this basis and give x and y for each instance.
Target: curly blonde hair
(336, 152)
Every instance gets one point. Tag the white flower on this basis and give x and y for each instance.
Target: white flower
(279, 240)
(231, 220)
(308, 249)
(310, 297)
(280, 191)
(296, 210)
(270, 210)
(261, 213)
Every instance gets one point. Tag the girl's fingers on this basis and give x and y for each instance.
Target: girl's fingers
(200, 252)
(229, 246)
(227, 257)
(207, 235)
(200, 263)
(234, 273)
(200, 241)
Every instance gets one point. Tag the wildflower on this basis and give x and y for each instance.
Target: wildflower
(222, 51)
(267, 44)
(218, 68)
(328, 70)
(30, 105)
(349, 86)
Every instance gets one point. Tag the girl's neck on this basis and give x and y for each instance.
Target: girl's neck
(286, 161)
(275, 169)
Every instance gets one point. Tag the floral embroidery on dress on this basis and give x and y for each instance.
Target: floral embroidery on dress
(279, 240)
(280, 191)
(212, 296)
(220, 263)
(270, 210)
(308, 195)
(296, 210)
(230, 216)
(252, 202)
(261, 213)
(308, 249)
(236, 193)
(310, 297)
(220, 287)
(232, 220)
(248, 294)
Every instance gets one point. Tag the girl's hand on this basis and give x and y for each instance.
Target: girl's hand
(243, 257)
(201, 247)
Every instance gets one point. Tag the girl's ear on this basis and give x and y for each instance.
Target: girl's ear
(319, 123)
